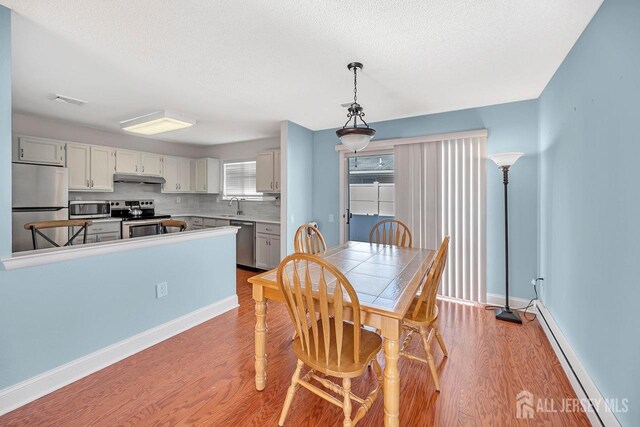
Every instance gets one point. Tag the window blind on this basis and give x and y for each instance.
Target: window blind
(240, 179)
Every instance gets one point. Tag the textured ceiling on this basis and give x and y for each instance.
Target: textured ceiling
(239, 67)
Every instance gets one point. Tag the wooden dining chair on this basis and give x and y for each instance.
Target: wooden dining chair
(316, 295)
(309, 240)
(391, 232)
(171, 223)
(36, 226)
(423, 313)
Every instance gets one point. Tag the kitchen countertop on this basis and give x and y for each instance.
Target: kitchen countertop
(249, 218)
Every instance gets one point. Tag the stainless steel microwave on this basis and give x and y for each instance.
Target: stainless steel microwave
(81, 209)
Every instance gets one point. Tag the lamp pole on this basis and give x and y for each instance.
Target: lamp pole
(504, 161)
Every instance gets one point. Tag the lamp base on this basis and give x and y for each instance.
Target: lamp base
(507, 315)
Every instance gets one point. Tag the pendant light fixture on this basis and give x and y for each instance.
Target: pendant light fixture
(353, 137)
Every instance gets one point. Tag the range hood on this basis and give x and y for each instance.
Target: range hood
(138, 179)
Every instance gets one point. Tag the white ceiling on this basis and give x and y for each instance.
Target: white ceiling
(240, 67)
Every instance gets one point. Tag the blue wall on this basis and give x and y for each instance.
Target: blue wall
(512, 127)
(299, 179)
(590, 200)
(5, 131)
(53, 314)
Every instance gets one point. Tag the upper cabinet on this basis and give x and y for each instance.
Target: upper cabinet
(127, 161)
(177, 173)
(39, 150)
(268, 172)
(150, 164)
(90, 167)
(207, 175)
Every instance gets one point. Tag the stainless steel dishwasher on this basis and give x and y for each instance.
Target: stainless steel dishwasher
(245, 243)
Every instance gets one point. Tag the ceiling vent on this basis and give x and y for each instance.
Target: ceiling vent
(69, 100)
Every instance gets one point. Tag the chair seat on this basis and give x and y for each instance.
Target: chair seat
(421, 319)
(370, 345)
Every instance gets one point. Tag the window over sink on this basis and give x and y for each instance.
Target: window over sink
(239, 180)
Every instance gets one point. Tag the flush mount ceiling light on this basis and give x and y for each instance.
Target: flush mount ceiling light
(353, 137)
(155, 123)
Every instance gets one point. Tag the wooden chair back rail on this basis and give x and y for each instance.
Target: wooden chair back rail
(306, 306)
(309, 240)
(429, 291)
(168, 223)
(391, 232)
(35, 228)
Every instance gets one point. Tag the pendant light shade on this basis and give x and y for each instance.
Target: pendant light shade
(355, 137)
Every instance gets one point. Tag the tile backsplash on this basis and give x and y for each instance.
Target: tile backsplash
(189, 203)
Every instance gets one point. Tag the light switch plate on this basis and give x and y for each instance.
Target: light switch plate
(162, 290)
(177, 199)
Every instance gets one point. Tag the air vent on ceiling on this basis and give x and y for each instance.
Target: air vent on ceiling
(69, 100)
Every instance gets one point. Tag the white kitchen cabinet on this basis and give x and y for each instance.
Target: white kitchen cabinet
(267, 177)
(127, 161)
(39, 150)
(214, 222)
(102, 168)
(177, 174)
(150, 164)
(79, 166)
(267, 246)
(207, 175)
(90, 167)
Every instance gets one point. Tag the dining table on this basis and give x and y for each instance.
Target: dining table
(386, 278)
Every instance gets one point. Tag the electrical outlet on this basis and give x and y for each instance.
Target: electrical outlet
(177, 199)
(162, 290)
(330, 218)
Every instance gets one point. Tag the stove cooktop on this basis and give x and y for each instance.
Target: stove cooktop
(143, 217)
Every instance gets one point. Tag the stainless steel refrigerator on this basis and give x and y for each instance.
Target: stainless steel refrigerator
(40, 193)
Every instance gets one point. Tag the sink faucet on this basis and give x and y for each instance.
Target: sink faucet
(238, 211)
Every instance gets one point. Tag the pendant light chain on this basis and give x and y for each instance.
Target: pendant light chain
(354, 137)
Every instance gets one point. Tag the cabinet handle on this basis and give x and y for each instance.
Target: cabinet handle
(92, 184)
(271, 185)
(88, 184)
(142, 168)
(22, 153)
(176, 186)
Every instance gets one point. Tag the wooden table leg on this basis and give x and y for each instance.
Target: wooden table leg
(261, 337)
(391, 333)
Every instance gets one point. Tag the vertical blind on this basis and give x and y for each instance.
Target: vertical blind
(441, 191)
(461, 215)
(240, 179)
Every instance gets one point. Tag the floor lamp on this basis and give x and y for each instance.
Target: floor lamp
(504, 162)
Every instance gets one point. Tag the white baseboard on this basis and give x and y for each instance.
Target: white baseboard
(599, 413)
(26, 391)
(515, 303)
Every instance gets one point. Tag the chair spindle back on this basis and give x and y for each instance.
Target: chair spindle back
(427, 300)
(391, 232)
(315, 290)
(309, 240)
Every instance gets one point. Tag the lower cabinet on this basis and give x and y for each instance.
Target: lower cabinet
(98, 232)
(267, 246)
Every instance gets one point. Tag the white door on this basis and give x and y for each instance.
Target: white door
(274, 251)
(170, 173)
(150, 164)
(41, 151)
(127, 161)
(264, 172)
(102, 167)
(201, 175)
(276, 171)
(184, 175)
(79, 164)
(262, 251)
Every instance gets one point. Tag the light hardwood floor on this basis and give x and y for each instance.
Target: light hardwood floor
(205, 376)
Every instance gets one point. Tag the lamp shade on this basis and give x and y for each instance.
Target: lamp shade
(506, 159)
(355, 139)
